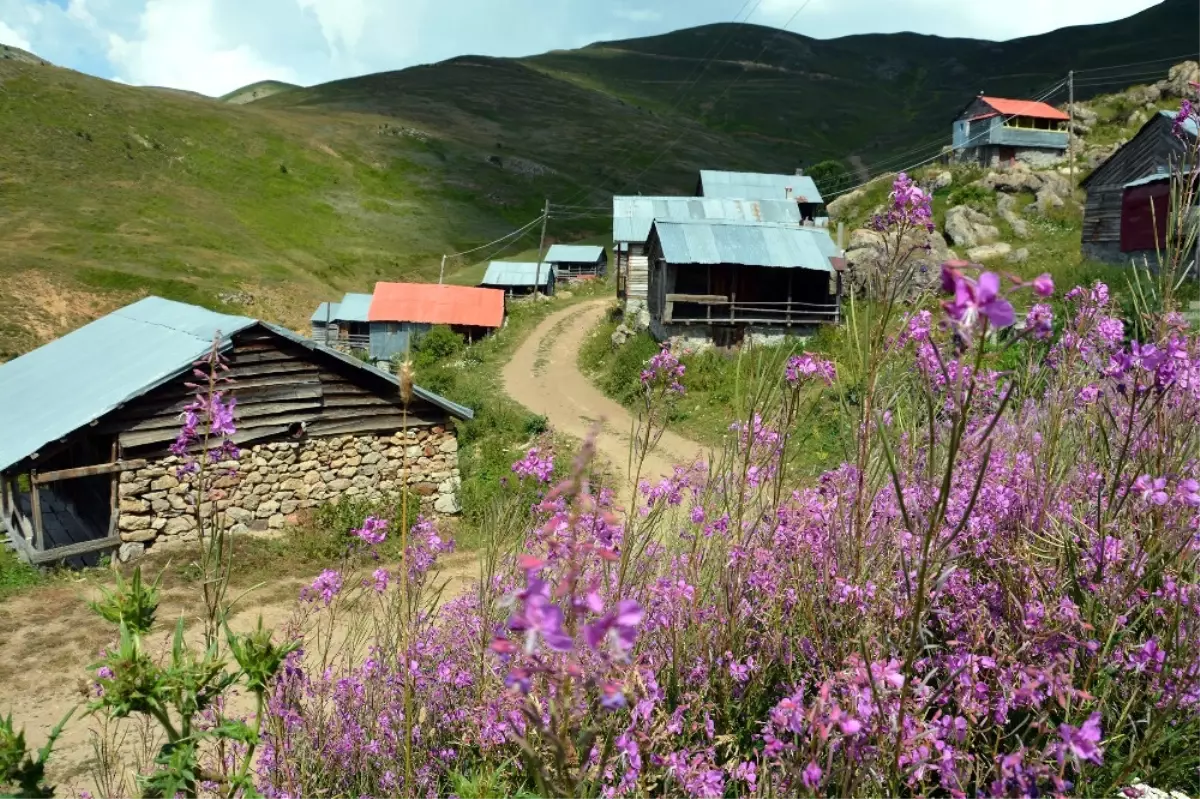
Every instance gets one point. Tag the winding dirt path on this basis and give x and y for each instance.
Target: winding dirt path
(544, 376)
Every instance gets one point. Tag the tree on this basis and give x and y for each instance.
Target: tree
(830, 176)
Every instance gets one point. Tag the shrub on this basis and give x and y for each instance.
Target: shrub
(438, 344)
(977, 197)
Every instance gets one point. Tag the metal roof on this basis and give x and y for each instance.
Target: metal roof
(58, 388)
(721, 242)
(514, 273)
(354, 308)
(1026, 108)
(326, 312)
(1155, 178)
(437, 304)
(1189, 124)
(574, 254)
(633, 216)
(758, 186)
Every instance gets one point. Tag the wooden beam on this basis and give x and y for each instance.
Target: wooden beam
(72, 550)
(85, 471)
(114, 500)
(36, 502)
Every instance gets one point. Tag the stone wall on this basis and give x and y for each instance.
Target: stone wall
(271, 483)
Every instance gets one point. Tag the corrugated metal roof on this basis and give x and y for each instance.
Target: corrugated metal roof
(355, 308)
(56, 389)
(437, 304)
(1155, 178)
(717, 242)
(758, 186)
(1189, 124)
(573, 254)
(1025, 108)
(515, 273)
(633, 216)
(327, 312)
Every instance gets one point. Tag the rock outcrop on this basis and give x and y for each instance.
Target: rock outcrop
(967, 227)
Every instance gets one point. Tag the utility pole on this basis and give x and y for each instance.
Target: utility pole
(541, 247)
(1071, 125)
(442, 273)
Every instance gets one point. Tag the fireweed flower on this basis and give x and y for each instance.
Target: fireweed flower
(801, 368)
(974, 301)
(1082, 743)
(664, 369)
(1043, 285)
(535, 465)
(1182, 116)
(619, 625)
(1040, 321)
(1189, 492)
(373, 531)
(380, 577)
(908, 206)
(327, 585)
(1152, 490)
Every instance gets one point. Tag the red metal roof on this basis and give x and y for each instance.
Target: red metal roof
(1025, 108)
(437, 304)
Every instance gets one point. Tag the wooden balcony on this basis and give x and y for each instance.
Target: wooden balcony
(717, 309)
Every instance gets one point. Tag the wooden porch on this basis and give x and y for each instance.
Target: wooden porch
(715, 309)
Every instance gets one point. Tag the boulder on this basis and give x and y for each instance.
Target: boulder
(967, 227)
(1141, 791)
(449, 445)
(1179, 79)
(130, 523)
(1006, 205)
(1047, 199)
(986, 252)
(447, 503)
(180, 524)
(130, 550)
(942, 180)
(138, 536)
(1141, 95)
(839, 207)
(1013, 180)
(1019, 256)
(863, 238)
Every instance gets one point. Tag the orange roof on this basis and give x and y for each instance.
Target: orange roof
(437, 304)
(1025, 108)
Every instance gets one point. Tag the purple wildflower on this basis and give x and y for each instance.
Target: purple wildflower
(373, 530)
(327, 585)
(804, 367)
(1043, 285)
(973, 300)
(1152, 490)
(1082, 743)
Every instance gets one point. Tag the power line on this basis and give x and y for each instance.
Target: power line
(1136, 63)
(516, 232)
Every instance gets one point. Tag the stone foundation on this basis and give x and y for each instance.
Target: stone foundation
(270, 483)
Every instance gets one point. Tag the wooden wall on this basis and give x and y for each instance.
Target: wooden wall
(1153, 148)
(278, 384)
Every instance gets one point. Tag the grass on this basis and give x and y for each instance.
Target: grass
(16, 576)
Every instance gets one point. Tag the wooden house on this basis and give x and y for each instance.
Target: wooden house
(1118, 223)
(721, 281)
(89, 418)
(993, 131)
(574, 261)
(343, 325)
(400, 312)
(634, 216)
(797, 188)
(517, 279)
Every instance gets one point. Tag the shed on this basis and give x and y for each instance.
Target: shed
(401, 310)
(324, 322)
(994, 131)
(719, 280)
(1154, 152)
(517, 278)
(798, 188)
(634, 216)
(575, 260)
(88, 420)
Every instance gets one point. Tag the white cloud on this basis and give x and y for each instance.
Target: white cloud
(13, 38)
(638, 14)
(178, 44)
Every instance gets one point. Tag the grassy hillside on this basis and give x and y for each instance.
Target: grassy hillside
(257, 91)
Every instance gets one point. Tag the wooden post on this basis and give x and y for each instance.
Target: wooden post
(541, 248)
(732, 304)
(1071, 125)
(36, 502)
(789, 299)
(708, 290)
(114, 502)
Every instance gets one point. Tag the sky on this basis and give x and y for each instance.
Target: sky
(216, 46)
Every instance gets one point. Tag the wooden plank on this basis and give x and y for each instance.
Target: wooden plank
(36, 503)
(86, 471)
(74, 550)
(171, 409)
(114, 501)
(699, 299)
(290, 367)
(368, 425)
(24, 549)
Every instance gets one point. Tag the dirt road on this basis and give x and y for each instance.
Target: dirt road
(544, 377)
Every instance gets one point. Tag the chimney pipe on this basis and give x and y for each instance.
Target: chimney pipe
(799, 172)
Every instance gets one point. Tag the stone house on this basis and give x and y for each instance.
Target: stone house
(88, 420)
(993, 132)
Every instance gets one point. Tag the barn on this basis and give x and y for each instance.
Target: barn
(343, 325)
(634, 216)
(721, 282)
(994, 131)
(1120, 191)
(89, 418)
(576, 260)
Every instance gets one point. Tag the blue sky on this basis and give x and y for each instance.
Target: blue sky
(215, 46)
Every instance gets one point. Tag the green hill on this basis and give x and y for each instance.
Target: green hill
(109, 191)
